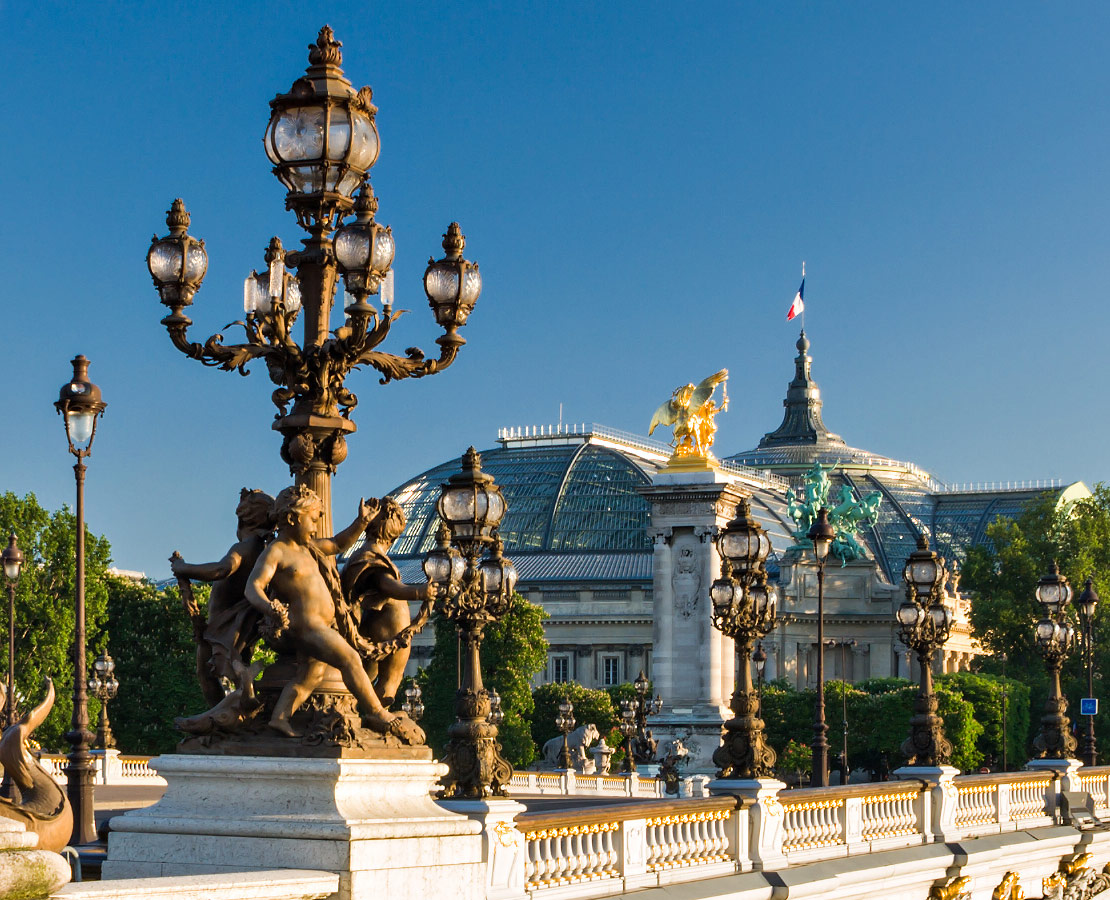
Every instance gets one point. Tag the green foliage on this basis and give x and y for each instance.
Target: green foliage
(1002, 576)
(590, 705)
(45, 604)
(985, 693)
(152, 643)
(513, 650)
(960, 726)
(796, 757)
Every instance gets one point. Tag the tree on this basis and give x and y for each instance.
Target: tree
(151, 639)
(45, 607)
(1002, 575)
(985, 693)
(513, 650)
(591, 706)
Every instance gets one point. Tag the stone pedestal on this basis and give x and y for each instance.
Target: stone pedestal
(372, 821)
(693, 664)
(767, 833)
(939, 800)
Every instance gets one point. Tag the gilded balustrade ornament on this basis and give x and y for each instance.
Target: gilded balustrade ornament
(848, 514)
(1076, 880)
(692, 413)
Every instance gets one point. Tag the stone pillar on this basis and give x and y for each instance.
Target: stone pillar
(693, 664)
(937, 813)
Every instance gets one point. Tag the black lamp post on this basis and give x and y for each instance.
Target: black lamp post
(80, 406)
(13, 562)
(760, 660)
(1054, 639)
(1086, 602)
(628, 729)
(924, 624)
(104, 685)
(474, 592)
(644, 746)
(822, 535)
(1005, 711)
(565, 723)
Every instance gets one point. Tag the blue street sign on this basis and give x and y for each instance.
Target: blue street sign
(1088, 706)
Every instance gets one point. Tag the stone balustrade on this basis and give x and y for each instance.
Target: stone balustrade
(111, 768)
(602, 850)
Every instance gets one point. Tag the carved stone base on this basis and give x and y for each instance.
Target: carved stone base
(371, 820)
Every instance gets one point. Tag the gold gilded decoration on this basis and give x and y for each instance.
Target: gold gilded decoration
(1009, 888)
(503, 830)
(952, 889)
(604, 852)
(691, 411)
(1076, 880)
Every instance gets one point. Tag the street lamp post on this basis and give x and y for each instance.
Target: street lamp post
(1086, 602)
(13, 563)
(822, 535)
(473, 592)
(565, 723)
(103, 685)
(80, 406)
(322, 140)
(1054, 638)
(844, 704)
(1005, 711)
(924, 624)
(743, 608)
(760, 660)
(627, 726)
(644, 746)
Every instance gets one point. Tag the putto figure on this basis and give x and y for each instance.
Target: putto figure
(692, 412)
(296, 586)
(379, 600)
(225, 642)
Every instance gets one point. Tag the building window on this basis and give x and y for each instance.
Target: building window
(610, 670)
(560, 669)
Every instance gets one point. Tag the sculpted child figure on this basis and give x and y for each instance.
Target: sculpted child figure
(226, 643)
(298, 572)
(372, 583)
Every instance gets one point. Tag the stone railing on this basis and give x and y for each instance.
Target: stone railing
(111, 768)
(758, 825)
(569, 783)
(633, 845)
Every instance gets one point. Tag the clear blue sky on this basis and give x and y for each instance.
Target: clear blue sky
(640, 183)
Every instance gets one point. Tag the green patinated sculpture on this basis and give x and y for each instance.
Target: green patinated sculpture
(847, 513)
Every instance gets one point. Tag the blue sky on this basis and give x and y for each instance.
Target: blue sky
(640, 183)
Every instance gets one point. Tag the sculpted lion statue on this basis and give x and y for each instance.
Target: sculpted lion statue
(578, 740)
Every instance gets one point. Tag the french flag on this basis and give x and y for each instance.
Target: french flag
(798, 306)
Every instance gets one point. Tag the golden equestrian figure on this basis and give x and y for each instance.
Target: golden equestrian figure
(691, 411)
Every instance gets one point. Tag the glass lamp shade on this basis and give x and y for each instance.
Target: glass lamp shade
(364, 248)
(443, 565)
(1087, 600)
(256, 296)
(452, 284)
(177, 262)
(655, 705)
(497, 575)
(470, 503)
(759, 597)
(822, 535)
(721, 594)
(743, 542)
(924, 570)
(104, 666)
(909, 615)
(12, 558)
(1046, 630)
(641, 683)
(496, 714)
(1053, 591)
(80, 405)
(322, 137)
(940, 615)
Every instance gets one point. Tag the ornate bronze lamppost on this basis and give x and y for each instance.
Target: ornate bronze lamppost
(564, 721)
(643, 705)
(627, 726)
(474, 592)
(760, 660)
(1054, 639)
(1086, 603)
(924, 624)
(104, 685)
(12, 558)
(744, 610)
(80, 406)
(322, 140)
(822, 535)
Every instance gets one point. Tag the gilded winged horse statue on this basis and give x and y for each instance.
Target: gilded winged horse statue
(691, 411)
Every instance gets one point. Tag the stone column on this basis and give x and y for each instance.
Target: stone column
(693, 664)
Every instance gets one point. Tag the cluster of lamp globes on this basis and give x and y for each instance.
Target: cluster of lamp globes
(322, 140)
(924, 607)
(743, 546)
(1054, 632)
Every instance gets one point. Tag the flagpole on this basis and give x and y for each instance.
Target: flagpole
(803, 302)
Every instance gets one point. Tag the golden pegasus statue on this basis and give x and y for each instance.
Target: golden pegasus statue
(691, 411)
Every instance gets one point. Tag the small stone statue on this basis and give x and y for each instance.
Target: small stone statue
(306, 608)
(602, 755)
(380, 601)
(225, 643)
